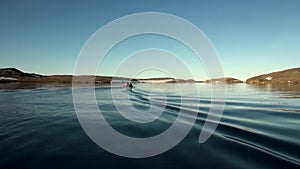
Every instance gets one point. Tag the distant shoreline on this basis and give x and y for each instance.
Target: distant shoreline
(12, 75)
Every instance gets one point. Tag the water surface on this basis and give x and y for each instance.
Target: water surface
(259, 128)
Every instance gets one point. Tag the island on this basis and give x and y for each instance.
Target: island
(226, 80)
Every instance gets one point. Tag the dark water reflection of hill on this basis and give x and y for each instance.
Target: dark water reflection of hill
(292, 89)
(12, 86)
(287, 90)
(32, 85)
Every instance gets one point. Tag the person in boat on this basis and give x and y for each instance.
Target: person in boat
(128, 85)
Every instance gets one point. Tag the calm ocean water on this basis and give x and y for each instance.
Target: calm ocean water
(260, 128)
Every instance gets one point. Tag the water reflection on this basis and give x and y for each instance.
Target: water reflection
(284, 90)
(18, 85)
(259, 127)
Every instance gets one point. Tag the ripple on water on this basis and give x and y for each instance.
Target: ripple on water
(259, 128)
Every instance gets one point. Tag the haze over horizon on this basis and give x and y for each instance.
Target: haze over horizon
(251, 38)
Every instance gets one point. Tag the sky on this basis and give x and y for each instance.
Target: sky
(250, 37)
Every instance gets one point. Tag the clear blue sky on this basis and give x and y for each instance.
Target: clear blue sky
(251, 37)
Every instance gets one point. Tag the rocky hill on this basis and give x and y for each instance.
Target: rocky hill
(289, 76)
(224, 80)
(15, 73)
